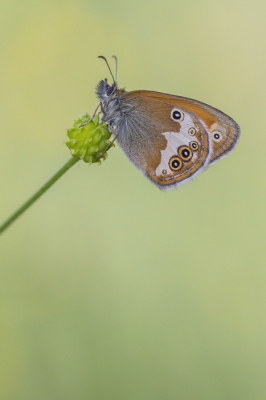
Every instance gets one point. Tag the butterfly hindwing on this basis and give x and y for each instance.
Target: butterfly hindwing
(182, 136)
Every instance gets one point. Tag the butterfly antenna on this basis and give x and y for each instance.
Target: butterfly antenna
(115, 58)
(108, 67)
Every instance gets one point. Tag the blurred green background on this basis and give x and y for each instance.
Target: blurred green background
(110, 288)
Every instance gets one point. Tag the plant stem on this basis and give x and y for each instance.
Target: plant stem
(25, 206)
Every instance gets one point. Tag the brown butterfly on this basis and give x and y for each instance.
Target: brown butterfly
(171, 139)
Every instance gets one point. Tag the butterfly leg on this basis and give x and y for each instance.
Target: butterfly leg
(93, 115)
(113, 131)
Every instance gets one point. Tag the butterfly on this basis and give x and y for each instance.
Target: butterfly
(171, 139)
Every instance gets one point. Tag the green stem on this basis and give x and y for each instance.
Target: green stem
(25, 206)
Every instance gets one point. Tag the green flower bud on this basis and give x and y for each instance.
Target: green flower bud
(90, 141)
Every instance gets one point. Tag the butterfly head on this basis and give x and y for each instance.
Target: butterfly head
(104, 90)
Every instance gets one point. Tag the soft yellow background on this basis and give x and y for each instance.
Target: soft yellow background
(110, 288)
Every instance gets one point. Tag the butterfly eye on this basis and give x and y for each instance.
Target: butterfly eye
(177, 115)
(194, 146)
(175, 163)
(185, 153)
(217, 136)
(191, 131)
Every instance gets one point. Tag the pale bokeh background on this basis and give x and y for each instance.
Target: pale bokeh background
(109, 288)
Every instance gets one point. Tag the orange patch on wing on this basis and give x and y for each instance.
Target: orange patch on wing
(187, 104)
(153, 155)
(204, 115)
